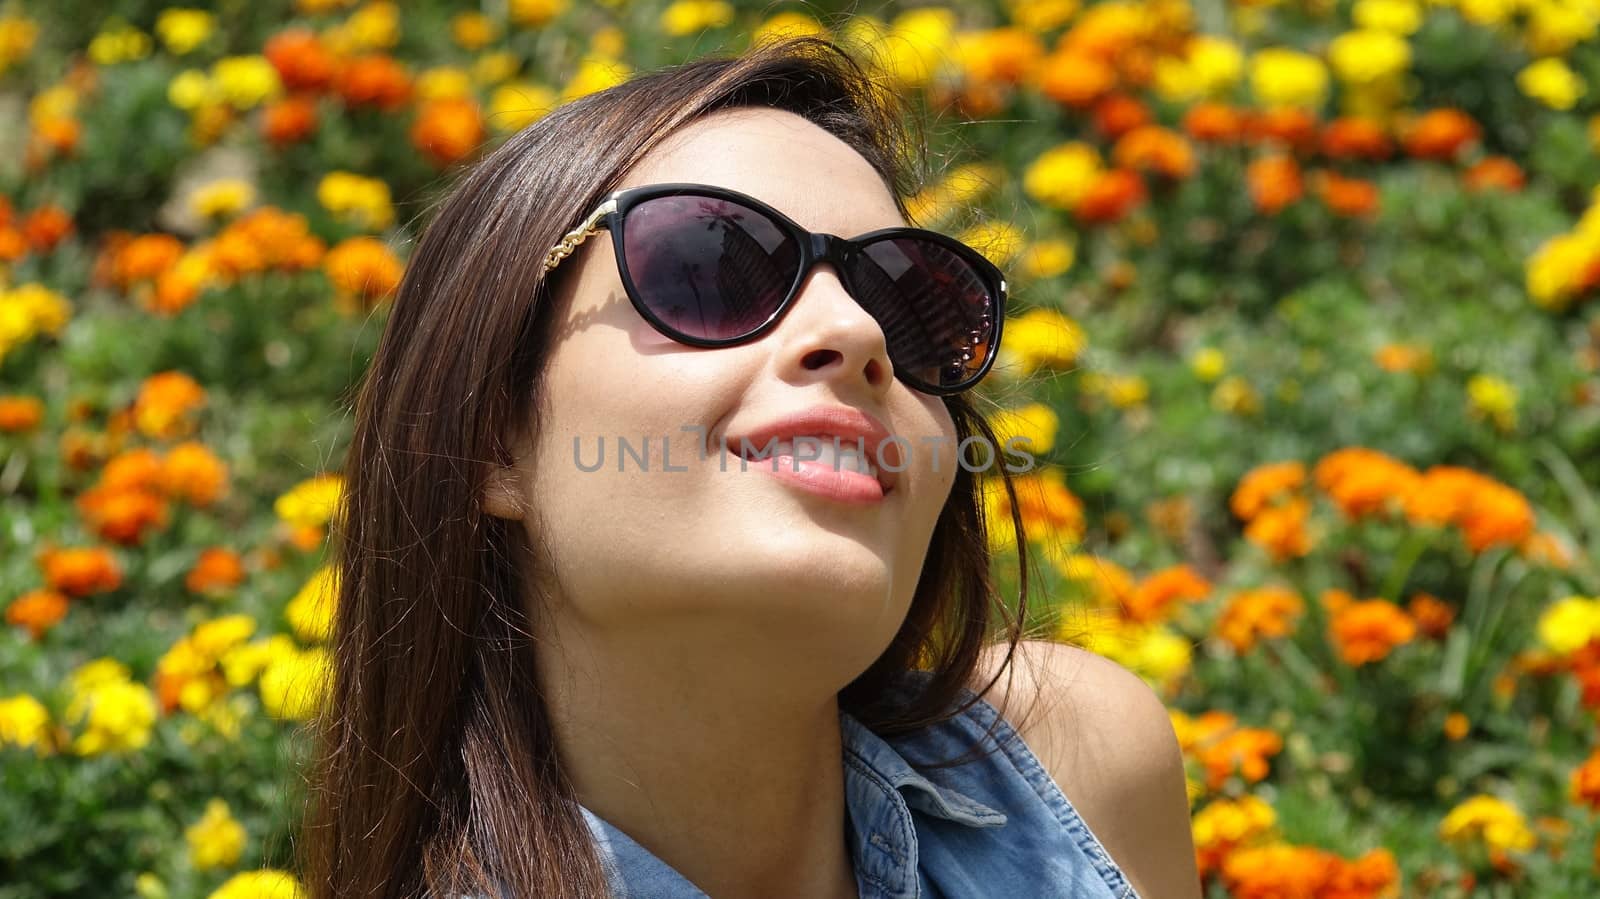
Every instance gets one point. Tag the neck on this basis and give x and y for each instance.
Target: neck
(721, 760)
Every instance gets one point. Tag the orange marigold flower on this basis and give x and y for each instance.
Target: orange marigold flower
(13, 244)
(1278, 870)
(215, 571)
(193, 473)
(1152, 148)
(1355, 138)
(122, 516)
(1349, 197)
(1075, 79)
(45, 227)
(1214, 123)
(1403, 357)
(1117, 114)
(262, 239)
(1288, 126)
(364, 268)
(146, 256)
(58, 134)
(20, 413)
(1440, 134)
(1336, 600)
(302, 61)
(1274, 182)
(1495, 173)
(1456, 726)
(37, 610)
(1050, 512)
(1112, 195)
(1265, 612)
(1368, 631)
(290, 120)
(1363, 481)
(1374, 874)
(164, 404)
(80, 571)
(1488, 512)
(1432, 615)
(1003, 55)
(1281, 529)
(1155, 595)
(1585, 782)
(375, 80)
(1264, 486)
(447, 131)
(133, 469)
(1244, 752)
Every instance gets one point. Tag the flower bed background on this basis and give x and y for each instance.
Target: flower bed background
(1303, 325)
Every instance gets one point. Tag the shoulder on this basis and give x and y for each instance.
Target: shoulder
(1106, 739)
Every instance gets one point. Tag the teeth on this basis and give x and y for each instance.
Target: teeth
(848, 458)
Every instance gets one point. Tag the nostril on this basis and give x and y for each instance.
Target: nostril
(818, 358)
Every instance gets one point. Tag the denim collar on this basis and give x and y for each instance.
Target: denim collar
(882, 789)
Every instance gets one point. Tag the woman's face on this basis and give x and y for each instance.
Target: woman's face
(747, 558)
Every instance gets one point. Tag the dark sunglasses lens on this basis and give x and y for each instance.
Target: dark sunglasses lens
(936, 309)
(708, 268)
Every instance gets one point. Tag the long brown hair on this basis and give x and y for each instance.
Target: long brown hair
(436, 769)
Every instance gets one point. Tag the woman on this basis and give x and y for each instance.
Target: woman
(577, 650)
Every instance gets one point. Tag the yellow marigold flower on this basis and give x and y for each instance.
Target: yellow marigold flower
(24, 721)
(536, 13)
(190, 89)
(690, 16)
(444, 83)
(355, 200)
(243, 664)
(1208, 364)
(30, 310)
(1063, 175)
(790, 23)
(1210, 66)
(1000, 242)
(1484, 819)
(1232, 822)
(608, 42)
(1235, 396)
(1368, 56)
(119, 44)
(596, 73)
(1554, 27)
(374, 26)
(1552, 82)
(318, 7)
(493, 68)
(183, 30)
(17, 35)
(1486, 12)
(264, 884)
(1493, 398)
(59, 102)
(1280, 76)
(919, 42)
(223, 198)
(1393, 16)
(117, 714)
(214, 638)
(1569, 624)
(310, 503)
(311, 611)
(1125, 391)
(1040, 16)
(1042, 338)
(864, 30)
(1154, 652)
(149, 886)
(1035, 425)
(246, 82)
(964, 184)
(216, 840)
(1556, 269)
(1048, 258)
(513, 107)
(472, 31)
(295, 686)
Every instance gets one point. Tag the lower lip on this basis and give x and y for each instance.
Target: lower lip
(820, 478)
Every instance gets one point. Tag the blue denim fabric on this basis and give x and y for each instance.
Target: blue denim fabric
(995, 827)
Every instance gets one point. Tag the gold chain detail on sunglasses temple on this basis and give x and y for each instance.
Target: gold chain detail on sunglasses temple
(576, 236)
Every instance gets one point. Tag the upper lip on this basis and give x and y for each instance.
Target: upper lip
(848, 424)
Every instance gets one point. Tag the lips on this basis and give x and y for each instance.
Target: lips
(851, 426)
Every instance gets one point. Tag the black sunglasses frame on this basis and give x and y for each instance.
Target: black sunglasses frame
(841, 252)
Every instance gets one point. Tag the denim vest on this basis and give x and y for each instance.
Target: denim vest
(998, 826)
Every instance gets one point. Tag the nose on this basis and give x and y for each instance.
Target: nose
(827, 333)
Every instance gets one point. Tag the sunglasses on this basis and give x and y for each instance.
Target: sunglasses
(712, 267)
